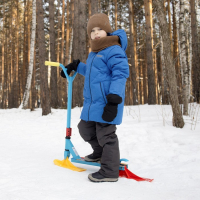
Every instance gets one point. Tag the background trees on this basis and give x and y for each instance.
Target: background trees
(61, 36)
(44, 91)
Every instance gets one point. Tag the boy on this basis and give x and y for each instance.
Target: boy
(105, 71)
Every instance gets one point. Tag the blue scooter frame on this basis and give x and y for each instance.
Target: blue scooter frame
(69, 147)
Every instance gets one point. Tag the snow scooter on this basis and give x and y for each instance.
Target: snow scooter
(70, 149)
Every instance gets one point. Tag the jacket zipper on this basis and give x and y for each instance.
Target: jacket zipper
(90, 87)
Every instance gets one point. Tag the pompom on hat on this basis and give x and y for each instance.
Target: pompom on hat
(100, 20)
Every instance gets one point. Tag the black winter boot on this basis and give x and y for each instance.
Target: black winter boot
(97, 177)
(92, 158)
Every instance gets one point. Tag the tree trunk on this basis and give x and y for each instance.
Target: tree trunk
(163, 74)
(189, 53)
(53, 81)
(89, 15)
(82, 46)
(185, 72)
(149, 49)
(63, 81)
(82, 31)
(16, 84)
(79, 48)
(170, 25)
(2, 59)
(155, 66)
(176, 54)
(133, 56)
(2, 71)
(71, 32)
(33, 86)
(108, 8)
(140, 65)
(45, 100)
(170, 70)
(94, 7)
(156, 76)
(5, 88)
(67, 36)
(30, 69)
(116, 14)
(6, 69)
(75, 99)
(195, 53)
(62, 32)
(59, 86)
(23, 71)
(11, 29)
(145, 81)
(9, 61)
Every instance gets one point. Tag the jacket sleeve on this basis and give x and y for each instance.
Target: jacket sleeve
(81, 68)
(118, 63)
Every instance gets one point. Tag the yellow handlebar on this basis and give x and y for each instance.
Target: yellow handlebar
(55, 64)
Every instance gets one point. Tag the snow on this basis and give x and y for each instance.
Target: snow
(29, 142)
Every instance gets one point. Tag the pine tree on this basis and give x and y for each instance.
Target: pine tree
(185, 71)
(149, 50)
(45, 100)
(195, 52)
(133, 54)
(53, 80)
(32, 48)
(170, 70)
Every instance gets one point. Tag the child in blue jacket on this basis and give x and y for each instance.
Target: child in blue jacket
(106, 71)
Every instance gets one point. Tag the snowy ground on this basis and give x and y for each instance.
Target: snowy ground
(30, 142)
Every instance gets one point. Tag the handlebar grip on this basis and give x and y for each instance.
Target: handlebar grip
(55, 64)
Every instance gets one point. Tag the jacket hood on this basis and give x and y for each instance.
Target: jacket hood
(122, 36)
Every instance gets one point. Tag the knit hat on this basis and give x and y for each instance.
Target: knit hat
(100, 20)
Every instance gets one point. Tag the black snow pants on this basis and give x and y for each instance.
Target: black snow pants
(104, 142)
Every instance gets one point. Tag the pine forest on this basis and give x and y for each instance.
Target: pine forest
(163, 51)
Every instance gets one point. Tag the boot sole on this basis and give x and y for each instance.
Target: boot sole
(101, 180)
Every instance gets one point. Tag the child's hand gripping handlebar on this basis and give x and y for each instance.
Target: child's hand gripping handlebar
(57, 64)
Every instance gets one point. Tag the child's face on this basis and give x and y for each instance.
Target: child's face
(97, 33)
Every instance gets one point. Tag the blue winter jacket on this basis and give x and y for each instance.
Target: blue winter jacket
(105, 73)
